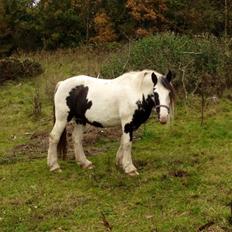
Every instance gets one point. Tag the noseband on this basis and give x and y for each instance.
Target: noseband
(159, 106)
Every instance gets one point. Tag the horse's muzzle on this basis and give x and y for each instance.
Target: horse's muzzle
(163, 120)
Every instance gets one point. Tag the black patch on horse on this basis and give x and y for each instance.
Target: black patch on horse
(140, 115)
(96, 124)
(166, 83)
(157, 102)
(78, 104)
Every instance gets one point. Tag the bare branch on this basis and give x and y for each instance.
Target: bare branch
(183, 80)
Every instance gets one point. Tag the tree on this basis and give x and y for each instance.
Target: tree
(104, 28)
(196, 16)
(148, 15)
(60, 23)
(51, 24)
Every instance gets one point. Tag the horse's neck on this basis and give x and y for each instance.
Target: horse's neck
(138, 80)
(147, 84)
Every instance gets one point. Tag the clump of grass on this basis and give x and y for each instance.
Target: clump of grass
(37, 104)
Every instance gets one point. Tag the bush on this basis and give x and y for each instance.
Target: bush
(12, 69)
(190, 57)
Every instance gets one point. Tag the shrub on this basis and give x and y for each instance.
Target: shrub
(11, 69)
(190, 57)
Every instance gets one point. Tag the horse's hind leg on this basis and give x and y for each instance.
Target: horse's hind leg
(119, 154)
(78, 148)
(54, 138)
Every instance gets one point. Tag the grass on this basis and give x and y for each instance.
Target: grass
(185, 170)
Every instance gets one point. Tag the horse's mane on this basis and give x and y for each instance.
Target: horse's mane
(137, 73)
(143, 73)
(168, 86)
(132, 74)
(172, 95)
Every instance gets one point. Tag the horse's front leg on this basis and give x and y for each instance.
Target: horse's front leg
(124, 154)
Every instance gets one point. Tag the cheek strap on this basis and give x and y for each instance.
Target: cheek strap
(159, 106)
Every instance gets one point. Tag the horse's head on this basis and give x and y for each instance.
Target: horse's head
(163, 96)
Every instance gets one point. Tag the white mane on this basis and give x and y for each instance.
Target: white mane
(139, 74)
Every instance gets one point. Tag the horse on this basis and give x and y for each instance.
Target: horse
(127, 100)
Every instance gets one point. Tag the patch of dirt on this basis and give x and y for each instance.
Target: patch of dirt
(38, 144)
(176, 162)
(210, 227)
(34, 149)
(91, 136)
(140, 164)
(178, 173)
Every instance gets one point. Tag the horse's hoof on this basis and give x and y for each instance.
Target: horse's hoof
(55, 169)
(133, 173)
(87, 166)
(90, 166)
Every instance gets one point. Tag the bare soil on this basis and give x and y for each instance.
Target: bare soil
(38, 143)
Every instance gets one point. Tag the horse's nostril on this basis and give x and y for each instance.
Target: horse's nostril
(163, 120)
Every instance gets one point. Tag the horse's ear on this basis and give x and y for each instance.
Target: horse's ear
(154, 78)
(170, 75)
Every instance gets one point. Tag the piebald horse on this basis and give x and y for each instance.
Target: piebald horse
(127, 100)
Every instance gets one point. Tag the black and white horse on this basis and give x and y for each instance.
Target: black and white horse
(126, 100)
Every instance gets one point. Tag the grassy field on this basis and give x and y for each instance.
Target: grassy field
(185, 181)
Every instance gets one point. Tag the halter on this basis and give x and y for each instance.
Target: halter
(159, 106)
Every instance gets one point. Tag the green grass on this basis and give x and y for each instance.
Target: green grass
(185, 170)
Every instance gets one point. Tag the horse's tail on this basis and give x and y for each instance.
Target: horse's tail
(62, 144)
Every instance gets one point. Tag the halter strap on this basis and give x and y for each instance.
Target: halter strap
(159, 106)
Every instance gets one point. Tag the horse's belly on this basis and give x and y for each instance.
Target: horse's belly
(107, 117)
(105, 108)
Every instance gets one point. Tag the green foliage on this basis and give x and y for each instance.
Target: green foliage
(196, 16)
(51, 24)
(21, 29)
(60, 25)
(190, 57)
